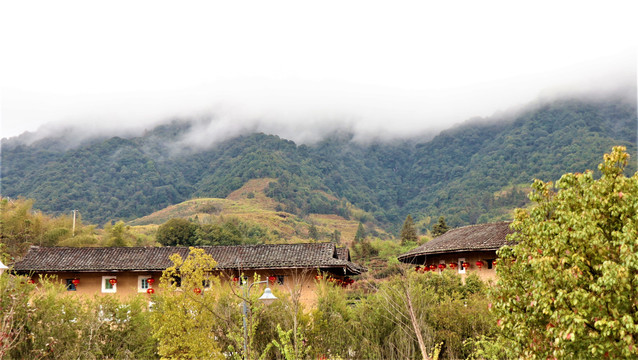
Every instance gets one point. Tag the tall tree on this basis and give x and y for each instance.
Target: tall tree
(568, 288)
(183, 322)
(177, 232)
(313, 232)
(440, 227)
(408, 232)
(336, 237)
(361, 233)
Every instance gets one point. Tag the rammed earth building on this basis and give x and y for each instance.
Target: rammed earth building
(129, 270)
(463, 250)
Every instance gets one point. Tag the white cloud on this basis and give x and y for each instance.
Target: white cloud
(294, 68)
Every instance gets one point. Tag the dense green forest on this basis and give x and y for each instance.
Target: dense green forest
(475, 172)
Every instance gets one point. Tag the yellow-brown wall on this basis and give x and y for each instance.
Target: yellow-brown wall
(301, 282)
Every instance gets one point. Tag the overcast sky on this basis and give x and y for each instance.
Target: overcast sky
(378, 68)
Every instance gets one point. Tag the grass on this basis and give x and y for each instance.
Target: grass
(249, 204)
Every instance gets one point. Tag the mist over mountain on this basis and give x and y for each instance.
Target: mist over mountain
(474, 172)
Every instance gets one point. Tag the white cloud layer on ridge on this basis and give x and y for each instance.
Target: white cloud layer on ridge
(298, 69)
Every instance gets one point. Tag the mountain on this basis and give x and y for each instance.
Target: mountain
(475, 172)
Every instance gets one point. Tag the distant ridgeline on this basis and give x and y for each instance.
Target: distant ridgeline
(475, 172)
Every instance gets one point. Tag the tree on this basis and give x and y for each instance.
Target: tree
(119, 235)
(361, 233)
(440, 227)
(416, 315)
(408, 232)
(567, 289)
(183, 322)
(47, 323)
(177, 232)
(313, 232)
(336, 237)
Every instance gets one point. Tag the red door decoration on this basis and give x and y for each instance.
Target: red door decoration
(112, 281)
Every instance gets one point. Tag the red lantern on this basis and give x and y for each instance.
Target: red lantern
(235, 279)
(197, 291)
(417, 268)
(150, 291)
(494, 262)
(112, 281)
(479, 264)
(441, 267)
(466, 265)
(432, 267)
(272, 279)
(150, 281)
(75, 282)
(453, 266)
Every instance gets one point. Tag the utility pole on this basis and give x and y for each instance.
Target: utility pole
(73, 231)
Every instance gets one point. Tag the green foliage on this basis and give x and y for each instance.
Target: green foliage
(332, 333)
(568, 288)
(208, 323)
(48, 323)
(181, 232)
(408, 232)
(313, 233)
(361, 233)
(118, 235)
(378, 326)
(471, 173)
(177, 232)
(182, 319)
(336, 237)
(21, 227)
(440, 227)
(446, 314)
(364, 250)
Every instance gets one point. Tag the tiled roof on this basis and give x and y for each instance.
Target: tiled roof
(277, 256)
(343, 253)
(468, 238)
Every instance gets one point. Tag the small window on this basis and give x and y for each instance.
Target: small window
(460, 266)
(280, 279)
(107, 287)
(70, 286)
(142, 283)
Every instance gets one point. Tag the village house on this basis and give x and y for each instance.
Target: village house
(464, 250)
(129, 270)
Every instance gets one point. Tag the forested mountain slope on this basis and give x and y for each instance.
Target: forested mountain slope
(474, 172)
